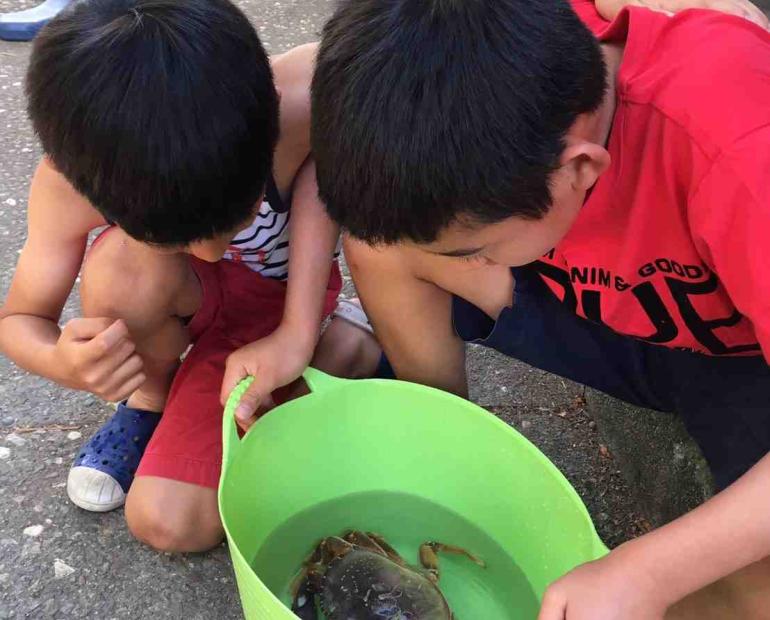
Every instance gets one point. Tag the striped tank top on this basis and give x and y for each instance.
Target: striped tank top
(264, 246)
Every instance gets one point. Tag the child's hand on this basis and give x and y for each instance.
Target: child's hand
(273, 361)
(613, 588)
(97, 356)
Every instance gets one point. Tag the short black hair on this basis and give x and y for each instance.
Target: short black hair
(427, 111)
(163, 113)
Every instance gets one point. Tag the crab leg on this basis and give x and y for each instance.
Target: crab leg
(429, 557)
(305, 585)
(303, 604)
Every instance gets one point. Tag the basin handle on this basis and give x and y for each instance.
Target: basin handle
(316, 380)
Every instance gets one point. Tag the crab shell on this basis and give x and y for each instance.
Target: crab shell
(365, 585)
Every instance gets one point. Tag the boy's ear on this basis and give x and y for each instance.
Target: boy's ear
(584, 162)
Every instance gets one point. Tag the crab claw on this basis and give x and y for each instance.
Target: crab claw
(429, 557)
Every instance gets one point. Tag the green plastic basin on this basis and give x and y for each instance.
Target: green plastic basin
(357, 437)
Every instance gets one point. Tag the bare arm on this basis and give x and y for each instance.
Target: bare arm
(644, 577)
(313, 240)
(91, 354)
(59, 220)
(727, 533)
(281, 357)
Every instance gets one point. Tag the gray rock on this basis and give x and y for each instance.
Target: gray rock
(16, 440)
(61, 569)
(33, 531)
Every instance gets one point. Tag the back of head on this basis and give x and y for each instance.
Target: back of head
(163, 113)
(427, 111)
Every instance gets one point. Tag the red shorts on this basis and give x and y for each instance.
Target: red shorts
(239, 306)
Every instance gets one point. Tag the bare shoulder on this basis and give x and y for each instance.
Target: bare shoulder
(164, 282)
(56, 208)
(293, 72)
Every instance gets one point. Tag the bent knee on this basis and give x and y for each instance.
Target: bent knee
(174, 529)
(363, 257)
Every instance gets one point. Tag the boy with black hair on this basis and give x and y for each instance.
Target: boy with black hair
(162, 120)
(596, 205)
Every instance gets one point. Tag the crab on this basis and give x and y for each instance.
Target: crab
(359, 576)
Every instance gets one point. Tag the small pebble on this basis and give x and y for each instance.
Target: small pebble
(10, 202)
(74, 435)
(33, 530)
(16, 440)
(525, 424)
(58, 460)
(4, 452)
(61, 569)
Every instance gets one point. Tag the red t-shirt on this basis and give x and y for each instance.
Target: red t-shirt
(672, 243)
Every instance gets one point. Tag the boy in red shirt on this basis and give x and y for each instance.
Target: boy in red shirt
(598, 208)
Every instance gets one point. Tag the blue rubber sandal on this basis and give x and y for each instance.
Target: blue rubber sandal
(24, 25)
(105, 466)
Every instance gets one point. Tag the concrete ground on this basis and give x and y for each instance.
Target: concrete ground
(57, 561)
